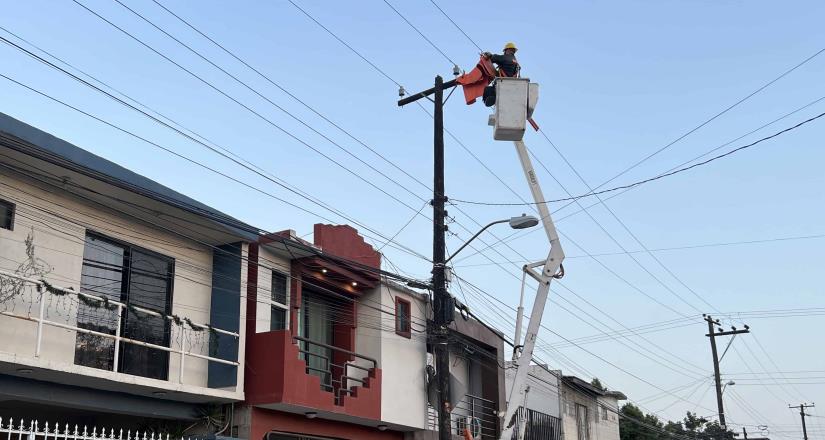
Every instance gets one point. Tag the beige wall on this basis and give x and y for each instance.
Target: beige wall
(59, 240)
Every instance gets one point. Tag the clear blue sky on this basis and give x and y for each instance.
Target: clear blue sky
(618, 81)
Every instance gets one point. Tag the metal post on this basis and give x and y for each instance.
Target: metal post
(40, 317)
(443, 302)
(520, 311)
(744, 433)
(716, 375)
(117, 337)
(182, 353)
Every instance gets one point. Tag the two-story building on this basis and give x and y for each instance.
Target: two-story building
(125, 304)
(120, 299)
(590, 412)
(337, 349)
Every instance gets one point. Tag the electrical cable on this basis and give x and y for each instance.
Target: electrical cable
(650, 179)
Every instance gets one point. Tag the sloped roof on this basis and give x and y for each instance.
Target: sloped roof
(46, 147)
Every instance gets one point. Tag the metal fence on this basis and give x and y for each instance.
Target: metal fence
(472, 412)
(34, 430)
(538, 426)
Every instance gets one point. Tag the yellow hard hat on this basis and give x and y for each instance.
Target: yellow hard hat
(510, 45)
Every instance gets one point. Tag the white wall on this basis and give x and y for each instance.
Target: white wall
(402, 360)
(268, 261)
(544, 390)
(59, 240)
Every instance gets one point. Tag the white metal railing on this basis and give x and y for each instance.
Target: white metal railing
(41, 320)
(33, 430)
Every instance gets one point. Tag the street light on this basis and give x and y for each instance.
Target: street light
(523, 221)
(730, 382)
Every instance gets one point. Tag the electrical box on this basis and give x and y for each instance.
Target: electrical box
(515, 101)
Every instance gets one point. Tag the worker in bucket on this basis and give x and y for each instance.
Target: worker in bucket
(507, 64)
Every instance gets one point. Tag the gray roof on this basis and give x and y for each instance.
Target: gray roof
(55, 150)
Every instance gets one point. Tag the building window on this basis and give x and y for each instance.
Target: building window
(278, 301)
(6, 215)
(605, 415)
(403, 326)
(137, 278)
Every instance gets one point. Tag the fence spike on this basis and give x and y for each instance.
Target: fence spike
(129, 435)
(1, 422)
(94, 432)
(85, 431)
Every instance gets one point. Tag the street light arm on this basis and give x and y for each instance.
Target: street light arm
(474, 237)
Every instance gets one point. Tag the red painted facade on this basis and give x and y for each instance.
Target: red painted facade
(343, 241)
(264, 421)
(276, 374)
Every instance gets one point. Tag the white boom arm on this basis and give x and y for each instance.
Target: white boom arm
(551, 268)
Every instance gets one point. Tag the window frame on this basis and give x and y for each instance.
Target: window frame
(400, 332)
(125, 294)
(12, 207)
(272, 303)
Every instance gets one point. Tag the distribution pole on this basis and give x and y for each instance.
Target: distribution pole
(712, 334)
(442, 300)
(802, 414)
(443, 303)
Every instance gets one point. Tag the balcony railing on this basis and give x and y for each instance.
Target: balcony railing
(338, 378)
(537, 426)
(477, 414)
(185, 336)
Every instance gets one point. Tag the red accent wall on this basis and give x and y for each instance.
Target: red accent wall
(264, 420)
(276, 374)
(343, 241)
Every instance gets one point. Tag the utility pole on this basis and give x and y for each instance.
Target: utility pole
(443, 303)
(802, 414)
(712, 334)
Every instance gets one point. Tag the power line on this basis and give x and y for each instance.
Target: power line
(651, 179)
(420, 33)
(519, 234)
(712, 118)
(457, 26)
(671, 248)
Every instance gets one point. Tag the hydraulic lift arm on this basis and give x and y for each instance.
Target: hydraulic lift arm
(550, 268)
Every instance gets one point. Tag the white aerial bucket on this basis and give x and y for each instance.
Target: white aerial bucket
(515, 101)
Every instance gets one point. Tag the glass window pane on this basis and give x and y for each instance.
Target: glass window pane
(101, 275)
(6, 214)
(277, 319)
(279, 288)
(149, 288)
(402, 316)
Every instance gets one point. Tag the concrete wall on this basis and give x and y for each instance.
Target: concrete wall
(402, 360)
(544, 390)
(59, 241)
(607, 425)
(600, 429)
